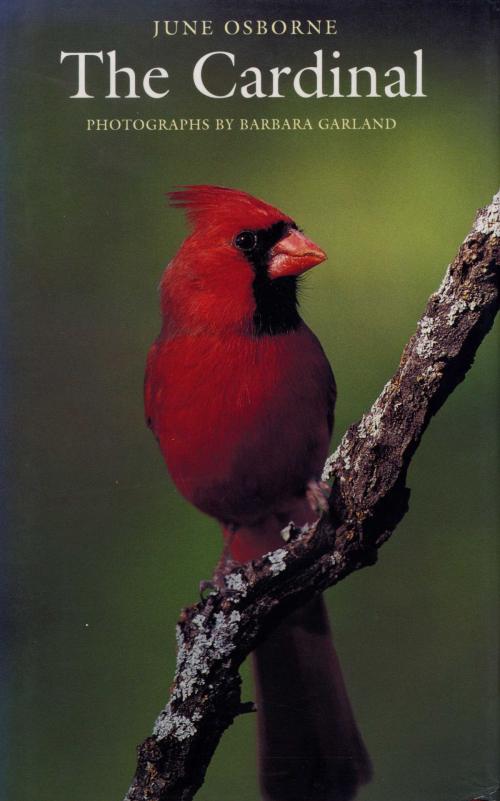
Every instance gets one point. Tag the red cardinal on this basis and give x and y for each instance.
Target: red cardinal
(240, 397)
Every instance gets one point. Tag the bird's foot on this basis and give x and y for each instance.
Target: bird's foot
(317, 494)
(290, 532)
(245, 707)
(225, 565)
(208, 587)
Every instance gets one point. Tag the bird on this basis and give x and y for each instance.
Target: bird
(240, 397)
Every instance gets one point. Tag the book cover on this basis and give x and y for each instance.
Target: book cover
(372, 127)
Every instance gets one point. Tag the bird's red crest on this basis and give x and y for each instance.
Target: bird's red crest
(203, 203)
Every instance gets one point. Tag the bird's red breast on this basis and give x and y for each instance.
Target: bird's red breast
(242, 422)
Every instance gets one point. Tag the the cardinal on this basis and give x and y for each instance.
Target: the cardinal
(240, 397)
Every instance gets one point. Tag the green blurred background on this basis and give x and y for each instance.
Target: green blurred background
(101, 551)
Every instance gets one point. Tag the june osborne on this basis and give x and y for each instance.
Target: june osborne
(241, 124)
(312, 81)
(246, 27)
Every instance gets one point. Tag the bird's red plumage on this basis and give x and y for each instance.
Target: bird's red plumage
(218, 206)
(242, 421)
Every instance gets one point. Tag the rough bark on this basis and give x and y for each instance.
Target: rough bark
(369, 497)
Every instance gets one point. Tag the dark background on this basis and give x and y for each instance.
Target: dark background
(101, 552)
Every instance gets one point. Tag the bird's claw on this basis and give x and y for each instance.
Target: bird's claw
(245, 707)
(290, 532)
(318, 493)
(207, 587)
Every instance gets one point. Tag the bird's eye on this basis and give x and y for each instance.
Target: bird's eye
(247, 240)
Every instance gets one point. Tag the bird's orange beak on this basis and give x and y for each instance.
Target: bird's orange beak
(293, 255)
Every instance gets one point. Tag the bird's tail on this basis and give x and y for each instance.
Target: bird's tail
(310, 748)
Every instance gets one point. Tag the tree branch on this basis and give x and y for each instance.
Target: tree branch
(368, 499)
